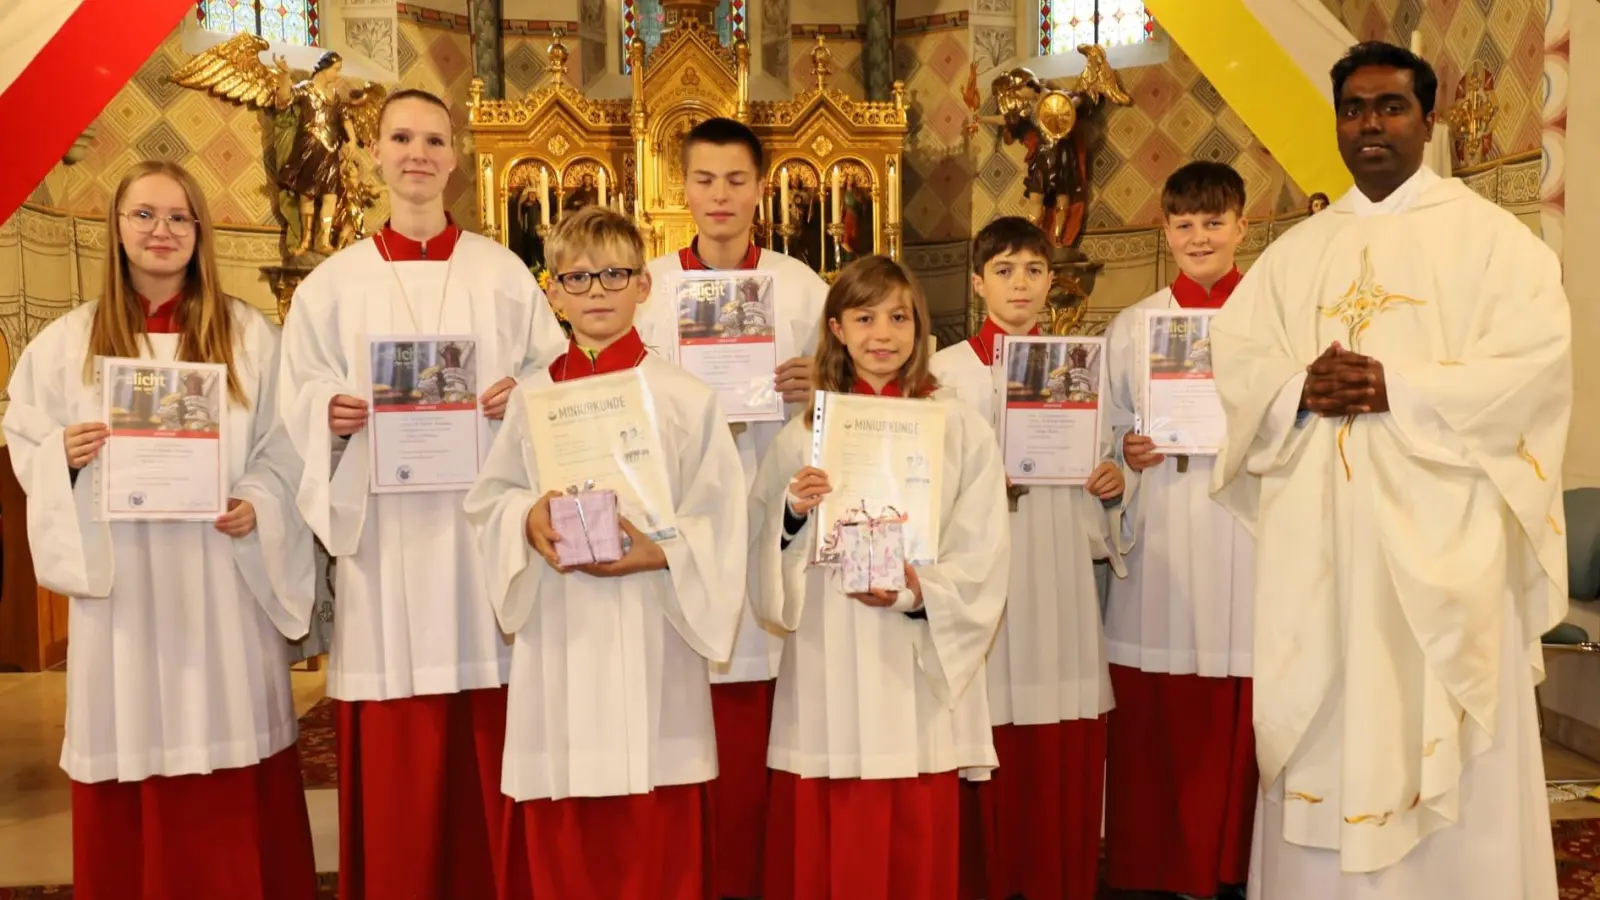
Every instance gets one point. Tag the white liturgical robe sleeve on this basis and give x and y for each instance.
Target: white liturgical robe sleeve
(1399, 536)
(610, 690)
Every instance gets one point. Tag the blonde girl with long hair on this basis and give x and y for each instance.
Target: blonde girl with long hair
(180, 732)
(878, 701)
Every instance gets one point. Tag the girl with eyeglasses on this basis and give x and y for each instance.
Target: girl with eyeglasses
(416, 656)
(180, 732)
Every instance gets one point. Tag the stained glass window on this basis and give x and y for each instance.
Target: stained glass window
(646, 18)
(284, 21)
(1064, 24)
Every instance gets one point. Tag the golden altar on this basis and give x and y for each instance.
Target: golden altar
(556, 150)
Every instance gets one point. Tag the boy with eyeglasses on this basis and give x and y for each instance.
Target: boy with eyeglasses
(610, 747)
(724, 169)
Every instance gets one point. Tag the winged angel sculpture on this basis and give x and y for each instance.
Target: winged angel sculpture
(320, 127)
(1047, 121)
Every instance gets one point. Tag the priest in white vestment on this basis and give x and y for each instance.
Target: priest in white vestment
(1396, 374)
(723, 162)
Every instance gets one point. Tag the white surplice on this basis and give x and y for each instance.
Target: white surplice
(610, 691)
(872, 693)
(1185, 606)
(179, 658)
(798, 294)
(1048, 662)
(1409, 560)
(413, 615)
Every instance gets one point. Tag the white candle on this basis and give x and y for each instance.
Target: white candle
(783, 192)
(544, 196)
(602, 187)
(1416, 42)
(838, 194)
(892, 200)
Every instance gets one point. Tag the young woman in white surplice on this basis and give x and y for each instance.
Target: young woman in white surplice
(180, 721)
(610, 744)
(880, 700)
(416, 652)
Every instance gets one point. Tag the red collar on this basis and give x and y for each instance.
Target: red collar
(1190, 295)
(162, 319)
(689, 258)
(892, 389)
(624, 354)
(396, 247)
(982, 343)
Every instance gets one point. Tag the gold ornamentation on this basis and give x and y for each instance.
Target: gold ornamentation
(1361, 302)
(556, 55)
(691, 77)
(558, 145)
(821, 62)
(1529, 458)
(1375, 819)
(321, 164)
(822, 146)
(1471, 119)
(1553, 526)
(1313, 799)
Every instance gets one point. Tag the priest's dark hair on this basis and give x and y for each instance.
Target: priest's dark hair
(1008, 234)
(1203, 187)
(1389, 56)
(723, 132)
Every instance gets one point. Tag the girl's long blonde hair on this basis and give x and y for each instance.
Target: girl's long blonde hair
(865, 282)
(205, 321)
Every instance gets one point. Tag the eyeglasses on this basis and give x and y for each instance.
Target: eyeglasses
(612, 279)
(144, 221)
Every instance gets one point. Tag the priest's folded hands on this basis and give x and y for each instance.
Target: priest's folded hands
(1343, 382)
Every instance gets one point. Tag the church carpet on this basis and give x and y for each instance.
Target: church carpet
(319, 751)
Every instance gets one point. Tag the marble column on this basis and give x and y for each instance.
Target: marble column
(877, 51)
(488, 62)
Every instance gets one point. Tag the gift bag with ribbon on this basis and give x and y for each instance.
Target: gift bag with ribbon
(869, 550)
(588, 523)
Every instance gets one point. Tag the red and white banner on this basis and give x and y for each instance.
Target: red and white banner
(61, 62)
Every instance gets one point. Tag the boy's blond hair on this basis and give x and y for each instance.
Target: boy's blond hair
(600, 233)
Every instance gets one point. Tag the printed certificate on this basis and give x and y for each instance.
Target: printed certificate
(166, 455)
(427, 431)
(602, 430)
(726, 338)
(881, 454)
(1048, 399)
(1179, 409)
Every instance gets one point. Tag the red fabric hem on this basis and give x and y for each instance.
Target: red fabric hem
(742, 712)
(420, 808)
(1181, 782)
(238, 833)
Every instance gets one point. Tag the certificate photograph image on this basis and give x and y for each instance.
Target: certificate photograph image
(1180, 407)
(424, 374)
(164, 456)
(1180, 346)
(724, 308)
(1054, 373)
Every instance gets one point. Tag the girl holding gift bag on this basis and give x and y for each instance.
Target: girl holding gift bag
(610, 746)
(878, 705)
(180, 728)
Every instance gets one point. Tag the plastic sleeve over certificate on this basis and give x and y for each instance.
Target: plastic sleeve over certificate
(884, 457)
(727, 339)
(165, 458)
(601, 432)
(1048, 402)
(1179, 408)
(428, 433)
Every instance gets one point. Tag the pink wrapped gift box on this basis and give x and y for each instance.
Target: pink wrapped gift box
(871, 554)
(587, 522)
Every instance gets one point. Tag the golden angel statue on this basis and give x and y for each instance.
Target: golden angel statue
(1046, 121)
(318, 148)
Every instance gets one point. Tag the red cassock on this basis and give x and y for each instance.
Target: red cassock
(1181, 782)
(238, 833)
(852, 839)
(743, 714)
(420, 809)
(653, 846)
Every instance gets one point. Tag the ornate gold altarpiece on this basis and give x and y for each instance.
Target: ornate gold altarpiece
(637, 142)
